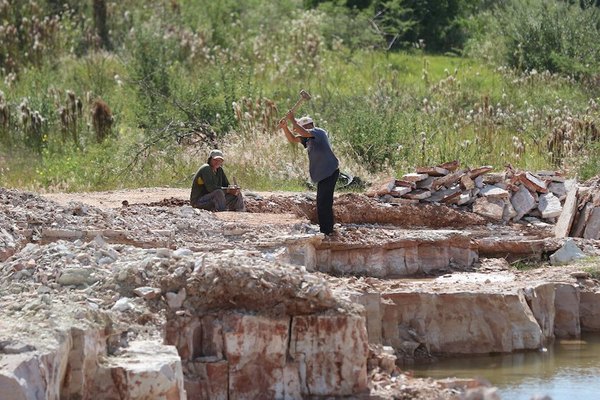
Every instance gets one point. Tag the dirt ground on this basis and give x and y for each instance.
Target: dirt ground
(286, 207)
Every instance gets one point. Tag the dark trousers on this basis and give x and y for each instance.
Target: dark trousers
(218, 200)
(325, 188)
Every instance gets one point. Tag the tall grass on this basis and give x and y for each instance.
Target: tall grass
(184, 77)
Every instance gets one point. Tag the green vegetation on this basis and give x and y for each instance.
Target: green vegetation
(591, 265)
(594, 272)
(527, 265)
(99, 94)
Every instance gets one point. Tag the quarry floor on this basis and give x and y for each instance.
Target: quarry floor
(360, 220)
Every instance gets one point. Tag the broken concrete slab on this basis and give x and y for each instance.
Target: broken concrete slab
(479, 182)
(509, 212)
(405, 183)
(493, 178)
(399, 191)
(426, 184)
(467, 183)
(558, 189)
(443, 195)
(551, 176)
(464, 198)
(450, 166)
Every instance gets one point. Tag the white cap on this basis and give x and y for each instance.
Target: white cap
(304, 121)
(216, 154)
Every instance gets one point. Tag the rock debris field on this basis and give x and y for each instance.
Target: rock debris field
(129, 269)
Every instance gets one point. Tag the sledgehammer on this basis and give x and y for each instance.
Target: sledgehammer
(304, 96)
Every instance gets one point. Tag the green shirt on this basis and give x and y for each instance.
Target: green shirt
(206, 180)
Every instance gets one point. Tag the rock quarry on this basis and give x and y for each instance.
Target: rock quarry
(136, 295)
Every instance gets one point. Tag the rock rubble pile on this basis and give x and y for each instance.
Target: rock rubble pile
(509, 195)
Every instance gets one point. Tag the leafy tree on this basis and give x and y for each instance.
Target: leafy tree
(437, 23)
(394, 22)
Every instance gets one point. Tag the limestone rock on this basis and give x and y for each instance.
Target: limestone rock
(523, 202)
(143, 370)
(565, 220)
(489, 207)
(460, 323)
(567, 320)
(592, 228)
(331, 354)
(589, 311)
(549, 206)
(567, 253)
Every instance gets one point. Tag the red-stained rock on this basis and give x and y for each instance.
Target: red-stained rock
(255, 348)
(332, 354)
(207, 380)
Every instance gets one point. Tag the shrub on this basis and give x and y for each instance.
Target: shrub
(544, 35)
(370, 131)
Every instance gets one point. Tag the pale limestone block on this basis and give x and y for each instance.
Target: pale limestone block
(372, 304)
(426, 184)
(558, 189)
(489, 207)
(143, 370)
(418, 194)
(565, 220)
(398, 191)
(495, 191)
(566, 303)
(523, 202)
(582, 217)
(541, 298)
(568, 253)
(549, 206)
(509, 211)
(209, 381)
(464, 322)
(414, 177)
(396, 265)
(589, 311)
